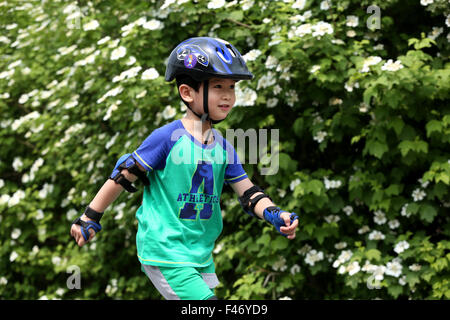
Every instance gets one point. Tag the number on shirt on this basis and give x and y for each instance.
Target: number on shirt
(203, 175)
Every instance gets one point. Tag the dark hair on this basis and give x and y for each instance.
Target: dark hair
(188, 80)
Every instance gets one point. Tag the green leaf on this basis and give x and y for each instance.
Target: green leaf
(373, 254)
(395, 290)
(433, 126)
(280, 243)
(427, 213)
(376, 148)
(314, 186)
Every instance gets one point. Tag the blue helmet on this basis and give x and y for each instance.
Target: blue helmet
(203, 58)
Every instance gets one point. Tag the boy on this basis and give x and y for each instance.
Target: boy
(183, 173)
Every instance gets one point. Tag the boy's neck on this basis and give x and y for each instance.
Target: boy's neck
(194, 122)
(200, 131)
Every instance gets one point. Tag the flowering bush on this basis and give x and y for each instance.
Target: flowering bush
(364, 126)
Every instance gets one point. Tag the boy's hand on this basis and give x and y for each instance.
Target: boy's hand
(290, 228)
(75, 232)
(285, 222)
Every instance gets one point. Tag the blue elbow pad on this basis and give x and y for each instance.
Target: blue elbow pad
(128, 162)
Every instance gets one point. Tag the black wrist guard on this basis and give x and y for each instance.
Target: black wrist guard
(249, 204)
(92, 214)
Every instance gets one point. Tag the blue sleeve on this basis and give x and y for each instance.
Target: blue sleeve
(152, 153)
(234, 171)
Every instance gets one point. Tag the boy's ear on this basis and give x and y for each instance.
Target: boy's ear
(186, 93)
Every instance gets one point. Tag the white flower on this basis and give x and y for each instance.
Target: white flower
(426, 2)
(394, 224)
(378, 272)
(363, 107)
(340, 245)
(23, 98)
(56, 261)
(392, 66)
(16, 233)
(130, 73)
(280, 265)
(281, 193)
(376, 235)
(331, 184)
(46, 189)
(150, 74)
(277, 89)
(348, 210)
(247, 4)
(16, 198)
(13, 256)
(245, 97)
(353, 268)
(216, 4)
(325, 5)
(3, 281)
(169, 112)
(350, 86)
(447, 21)
(299, 4)
(436, 32)
(334, 101)
(153, 25)
(304, 250)
(401, 246)
(17, 164)
(314, 68)
(393, 269)
(415, 267)
(343, 258)
(342, 269)
(418, 195)
(332, 218)
(218, 248)
(252, 55)
(320, 136)
(91, 25)
(285, 298)
(294, 183)
(272, 102)
(370, 61)
(380, 217)
(295, 269)
(103, 40)
(71, 214)
(271, 62)
(118, 53)
(266, 80)
(352, 21)
(313, 256)
(404, 212)
(322, 28)
(141, 94)
(303, 30)
(424, 184)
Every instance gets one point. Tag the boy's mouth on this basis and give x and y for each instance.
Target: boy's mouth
(224, 106)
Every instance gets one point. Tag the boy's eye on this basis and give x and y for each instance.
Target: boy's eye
(218, 86)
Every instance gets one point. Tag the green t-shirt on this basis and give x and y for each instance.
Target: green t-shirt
(180, 216)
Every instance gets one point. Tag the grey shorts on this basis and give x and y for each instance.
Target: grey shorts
(183, 283)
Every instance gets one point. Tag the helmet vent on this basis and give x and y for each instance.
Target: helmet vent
(233, 54)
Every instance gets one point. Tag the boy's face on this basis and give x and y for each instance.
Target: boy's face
(221, 98)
